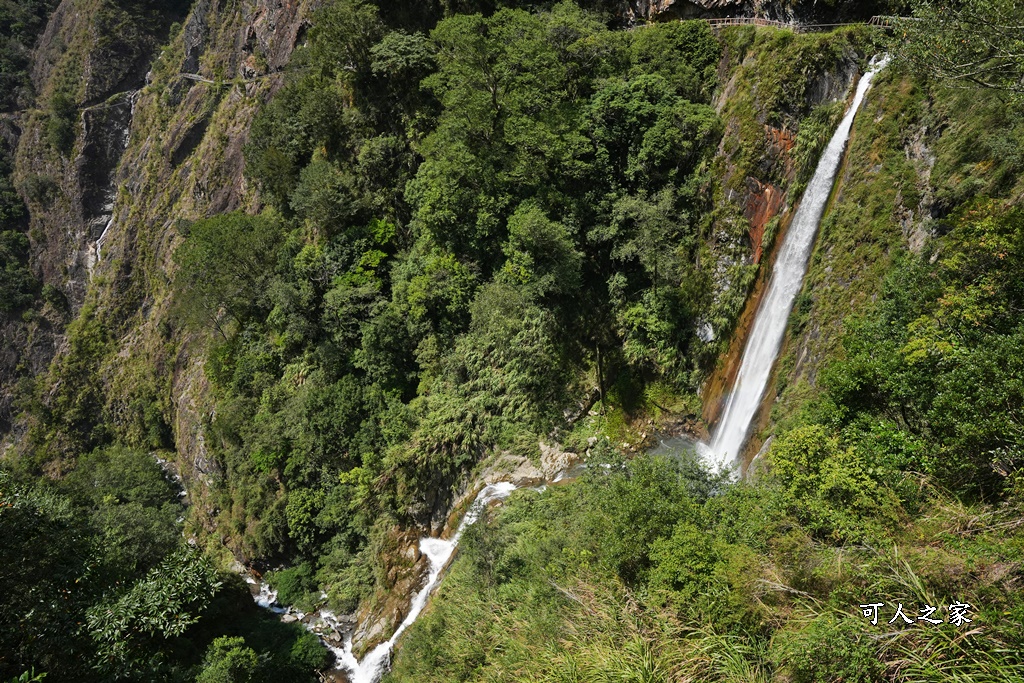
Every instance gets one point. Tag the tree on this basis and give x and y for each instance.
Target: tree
(130, 630)
(229, 660)
(325, 196)
(224, 266)
(684, 561)
(541, 254)
(973, 43)
(827, 485)
(45, 557)
(341, 40)
(133, 507)
(60, 126)
(645, 135)
(685, 53)
(402, 60)
(29, 676)
(17, 284)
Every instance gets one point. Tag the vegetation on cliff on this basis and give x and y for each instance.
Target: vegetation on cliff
(464, 233)
(369, 346)
(100, 585)
(654, 572)
(893, 478)
(372, 344)
(20, 24)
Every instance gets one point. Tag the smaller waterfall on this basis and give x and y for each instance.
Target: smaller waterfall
(787, 279)
(438, 552)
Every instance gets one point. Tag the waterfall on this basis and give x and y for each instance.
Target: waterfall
(438, 552)
(377, 662)
(787, 279)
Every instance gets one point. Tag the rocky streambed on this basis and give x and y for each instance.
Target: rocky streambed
(362, 643)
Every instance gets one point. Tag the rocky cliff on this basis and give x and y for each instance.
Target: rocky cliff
(156, 140)
(67, 142)
(662, 9)
(780, 100)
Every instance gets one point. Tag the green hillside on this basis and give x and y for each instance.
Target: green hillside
(282, 287)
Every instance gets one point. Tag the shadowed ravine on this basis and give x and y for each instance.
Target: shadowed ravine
(766, 335)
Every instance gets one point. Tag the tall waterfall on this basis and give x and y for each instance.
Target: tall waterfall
(790, 267)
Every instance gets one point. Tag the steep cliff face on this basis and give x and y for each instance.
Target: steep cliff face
(90, 61)
(66, 141)
(187, 165)
(887, 180)
(155, 144)
(662, 9)
(780, 95)
(98, 56)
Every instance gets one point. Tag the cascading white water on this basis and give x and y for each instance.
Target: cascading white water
(787, 279)
(438, 553)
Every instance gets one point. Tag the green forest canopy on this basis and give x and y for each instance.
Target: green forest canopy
(466, 229)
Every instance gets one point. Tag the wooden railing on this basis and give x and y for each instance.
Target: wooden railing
(881, 21)
(748, 21)
(887, 21)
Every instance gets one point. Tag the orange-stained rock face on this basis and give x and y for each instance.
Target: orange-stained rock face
(763, 203)
(780, 142)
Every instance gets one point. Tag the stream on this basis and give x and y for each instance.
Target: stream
(438, 553)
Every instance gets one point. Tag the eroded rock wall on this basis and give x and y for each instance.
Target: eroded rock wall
(758, 172)
(67, 141)
(158, 142)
